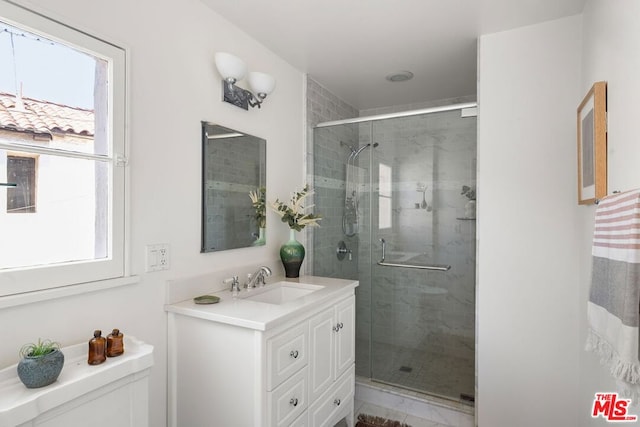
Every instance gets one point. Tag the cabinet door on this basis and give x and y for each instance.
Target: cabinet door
(346, 335)
(321, 353)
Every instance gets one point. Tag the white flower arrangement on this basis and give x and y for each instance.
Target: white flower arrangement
(258, 201)
(293, 214)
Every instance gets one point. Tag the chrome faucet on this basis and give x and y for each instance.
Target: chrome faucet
(235, 284)
(257, 279)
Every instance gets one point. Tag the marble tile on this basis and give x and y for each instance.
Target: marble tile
(421, 422)
(437, 411)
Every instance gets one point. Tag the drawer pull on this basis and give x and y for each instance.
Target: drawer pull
(293, 402)
(337, 402)
(294, 354)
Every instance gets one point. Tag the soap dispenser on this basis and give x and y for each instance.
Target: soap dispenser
(115, 344)
(97, 348)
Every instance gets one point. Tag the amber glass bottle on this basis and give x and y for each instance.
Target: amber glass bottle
(115, 343)
(97, 348)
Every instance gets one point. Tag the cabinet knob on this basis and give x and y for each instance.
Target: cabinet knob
(294, 354)
(337, 402)
(293, 401)
(338, 327)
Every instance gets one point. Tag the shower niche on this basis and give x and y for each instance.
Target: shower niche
(398, 180)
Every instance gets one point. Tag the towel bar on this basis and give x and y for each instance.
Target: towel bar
(436, 267)
(382, 262)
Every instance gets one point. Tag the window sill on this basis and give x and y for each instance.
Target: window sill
(65, 291)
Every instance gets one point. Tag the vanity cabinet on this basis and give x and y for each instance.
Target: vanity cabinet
(299, 372)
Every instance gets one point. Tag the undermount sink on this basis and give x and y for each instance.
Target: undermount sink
(281, 292)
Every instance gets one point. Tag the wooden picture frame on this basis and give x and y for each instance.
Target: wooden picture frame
(592, 145)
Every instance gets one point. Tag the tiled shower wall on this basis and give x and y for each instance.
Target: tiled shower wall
(326, 163)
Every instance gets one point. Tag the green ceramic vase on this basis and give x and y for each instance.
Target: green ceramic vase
(261, 240)
(292, 255)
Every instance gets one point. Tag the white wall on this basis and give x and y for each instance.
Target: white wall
(173, 85)
(527, 263)
(611, 52)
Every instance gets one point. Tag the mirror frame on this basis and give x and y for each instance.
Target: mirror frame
(224, 189)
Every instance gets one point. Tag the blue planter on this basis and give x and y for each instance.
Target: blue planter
(40, 371)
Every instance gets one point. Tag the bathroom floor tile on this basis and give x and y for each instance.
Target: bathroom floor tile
(421, 422)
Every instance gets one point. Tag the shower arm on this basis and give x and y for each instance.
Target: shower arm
(435, 267)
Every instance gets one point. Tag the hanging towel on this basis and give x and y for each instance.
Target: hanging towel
(614, 300)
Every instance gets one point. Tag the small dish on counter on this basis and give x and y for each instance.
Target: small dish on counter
(206, 299)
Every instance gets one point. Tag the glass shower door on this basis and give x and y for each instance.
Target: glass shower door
(422, 320)
(343, 197)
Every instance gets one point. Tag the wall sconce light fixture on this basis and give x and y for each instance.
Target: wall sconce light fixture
(233, 69)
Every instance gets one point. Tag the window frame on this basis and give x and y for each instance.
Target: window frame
(385, 195)
(85, 276)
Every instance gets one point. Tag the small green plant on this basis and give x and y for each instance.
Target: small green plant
(39, 349)
(469, 192)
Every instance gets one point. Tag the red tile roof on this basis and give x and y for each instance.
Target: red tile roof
(44, 117)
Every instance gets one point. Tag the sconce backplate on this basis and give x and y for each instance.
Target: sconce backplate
(235, 95)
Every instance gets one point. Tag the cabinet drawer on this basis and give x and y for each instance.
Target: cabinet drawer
(286, 354)
(336, 403)
(302, 421)
(288, 401)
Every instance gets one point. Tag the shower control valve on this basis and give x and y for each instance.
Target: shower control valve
(342, 250)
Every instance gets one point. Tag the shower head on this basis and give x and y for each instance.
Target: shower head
(360, 150)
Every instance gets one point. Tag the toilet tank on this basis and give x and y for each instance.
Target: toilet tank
(114, 393)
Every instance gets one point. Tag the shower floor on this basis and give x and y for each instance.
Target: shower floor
(430, 372)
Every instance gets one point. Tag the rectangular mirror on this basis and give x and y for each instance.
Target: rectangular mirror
(233, 166)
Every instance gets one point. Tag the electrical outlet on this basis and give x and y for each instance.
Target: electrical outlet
(157, 257)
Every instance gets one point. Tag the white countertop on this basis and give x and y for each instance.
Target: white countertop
(258, 315)
(19, 404)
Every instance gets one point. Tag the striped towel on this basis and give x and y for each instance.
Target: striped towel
(614, 300)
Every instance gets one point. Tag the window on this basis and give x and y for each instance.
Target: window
(384, 196)
(62, 144)
(21, 171)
